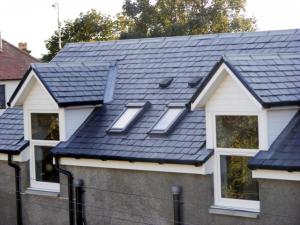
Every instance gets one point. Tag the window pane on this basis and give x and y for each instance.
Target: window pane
(236, 179)
(44, 126)
(168, 118)
(44, 168)
(237, 132)
(126, 118)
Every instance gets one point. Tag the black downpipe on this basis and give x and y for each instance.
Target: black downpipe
(176, 191)
(70, 190)
(79, 202)
(18, 189)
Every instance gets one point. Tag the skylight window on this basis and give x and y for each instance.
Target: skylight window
(127, 117)
(169, 118)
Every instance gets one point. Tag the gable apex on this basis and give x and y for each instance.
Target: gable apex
(26, 85)
(214, 79)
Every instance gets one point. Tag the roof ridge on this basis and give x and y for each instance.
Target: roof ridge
(188, 37)
(257, 56)
(74, 64)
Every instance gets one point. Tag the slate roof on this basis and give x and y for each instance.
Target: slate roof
(140, 65)
(73, 83)
(284, 153)
(12, 131)
(13, 62)
(273, 79)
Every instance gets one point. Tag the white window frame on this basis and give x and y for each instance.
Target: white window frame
(34, 184)
(240, 204)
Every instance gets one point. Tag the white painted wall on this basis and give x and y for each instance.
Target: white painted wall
(37, 99)
(229, 96)
(278, 119)
(74, 117)
(10, 86)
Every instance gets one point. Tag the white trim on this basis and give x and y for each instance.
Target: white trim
(56, 111)
(262, 126)
(34, 184)
(206, 168)
(276, 175)
(39, 185)
(227, 202)
(214, 82)
(24, 86)
(22, 157)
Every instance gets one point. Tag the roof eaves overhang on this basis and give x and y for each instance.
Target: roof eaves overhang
(14, 152)
(92, 103)
(134, 159)
(274, 167)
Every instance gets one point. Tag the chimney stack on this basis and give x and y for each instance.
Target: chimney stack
(23, 46)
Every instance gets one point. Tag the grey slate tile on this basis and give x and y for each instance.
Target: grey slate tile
(141, 63)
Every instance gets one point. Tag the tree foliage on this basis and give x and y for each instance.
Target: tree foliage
(155, 18)
(90, 26)
(148, 18)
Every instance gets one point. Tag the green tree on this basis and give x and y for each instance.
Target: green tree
(183, 17)
(90, 26)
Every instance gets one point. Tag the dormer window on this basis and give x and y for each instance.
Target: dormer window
(168, 119)
(44, 126)
(236, 141)
(128, 117)
(44, 135)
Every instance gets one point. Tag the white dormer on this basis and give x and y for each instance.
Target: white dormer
(45, 125)
(237, 128)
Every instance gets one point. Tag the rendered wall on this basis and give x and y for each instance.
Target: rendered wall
(123, 197)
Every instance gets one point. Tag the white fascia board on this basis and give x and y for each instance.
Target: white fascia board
(276, 175)
(206, 168)
(22, 157)
(22, 92)
(213, 84)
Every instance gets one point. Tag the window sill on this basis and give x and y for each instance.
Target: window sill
(219, 210)
(47, 193)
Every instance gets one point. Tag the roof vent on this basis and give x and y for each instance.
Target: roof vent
(194, 81)
(165, 82)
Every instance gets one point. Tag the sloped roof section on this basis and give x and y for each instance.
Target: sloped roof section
(141, 64)
(284, 153)
(74, 83)
(273, 78)
(186, 144)
(12, 131)
(13, 62)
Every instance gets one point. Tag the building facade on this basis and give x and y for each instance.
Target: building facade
(180, 130)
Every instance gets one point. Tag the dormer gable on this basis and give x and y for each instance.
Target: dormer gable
(31, 90)
(70, 84)
(223, 89)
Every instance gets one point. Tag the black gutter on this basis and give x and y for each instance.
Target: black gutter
(136, 159)
(14, 152)
(274, 167)
(18, 189)
(66, 104)
(70, 190)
